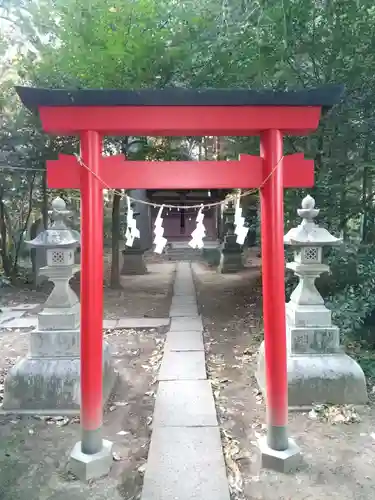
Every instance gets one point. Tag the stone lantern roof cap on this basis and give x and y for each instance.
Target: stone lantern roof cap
(308, 233)
(58, 235)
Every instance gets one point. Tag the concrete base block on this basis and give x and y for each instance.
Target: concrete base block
(231, 262)
(41, 384)
(320, 378)
(280, 461)
(86, 467)
(60, 318)
(133, 263)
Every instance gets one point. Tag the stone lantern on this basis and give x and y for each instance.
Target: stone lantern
(61, 309)
(133, 257)
(47, 380)
(231, 259)
(319, 371)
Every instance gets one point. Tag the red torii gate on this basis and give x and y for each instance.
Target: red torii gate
(91, 114)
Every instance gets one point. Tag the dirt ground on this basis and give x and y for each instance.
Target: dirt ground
(339, 458)
(140, 296)
(34, 452)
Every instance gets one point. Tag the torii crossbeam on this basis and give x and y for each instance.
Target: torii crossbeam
(246, 173)
(92, 114)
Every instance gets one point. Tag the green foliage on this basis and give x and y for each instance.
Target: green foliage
(367, 363)
(351, 291)
(258, 44)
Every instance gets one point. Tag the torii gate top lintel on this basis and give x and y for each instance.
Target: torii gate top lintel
(178, 111)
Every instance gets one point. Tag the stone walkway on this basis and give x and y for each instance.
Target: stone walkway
(185, 460)
(15, 317)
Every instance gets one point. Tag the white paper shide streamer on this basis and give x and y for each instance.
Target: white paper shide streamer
(159, 240)
(199, 232)
(240, 229)
(132, 231)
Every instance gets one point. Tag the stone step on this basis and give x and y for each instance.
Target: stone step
(184, 254)
(185, 463)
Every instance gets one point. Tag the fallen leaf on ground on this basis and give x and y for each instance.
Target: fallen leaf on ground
(231, 451)
(334, 414)
(63, 422)
(142, 469)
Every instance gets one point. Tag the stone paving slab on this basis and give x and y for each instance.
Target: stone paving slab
(184, 284)
(25, 307)
(184, 341)
(193, 324)
(184, 299)
(183, 292)
(183, 310)
(108, 324)
(19, 322)
(142, 322)
(15, 320)
(185, 403)
(185, 464)
(9, 315)
(183, 365)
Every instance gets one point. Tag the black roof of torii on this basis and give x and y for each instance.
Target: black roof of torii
(325, 97)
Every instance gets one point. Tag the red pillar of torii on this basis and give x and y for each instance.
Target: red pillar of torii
(92, 114)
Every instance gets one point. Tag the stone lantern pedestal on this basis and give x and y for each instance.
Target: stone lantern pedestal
(319, 371)
(47, 380)
(133, 258)
(231, 258)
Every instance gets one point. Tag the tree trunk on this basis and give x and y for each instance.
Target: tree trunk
(7, 263)
(116, 226)
(45, 200)
(24, 227)
(367, 203)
